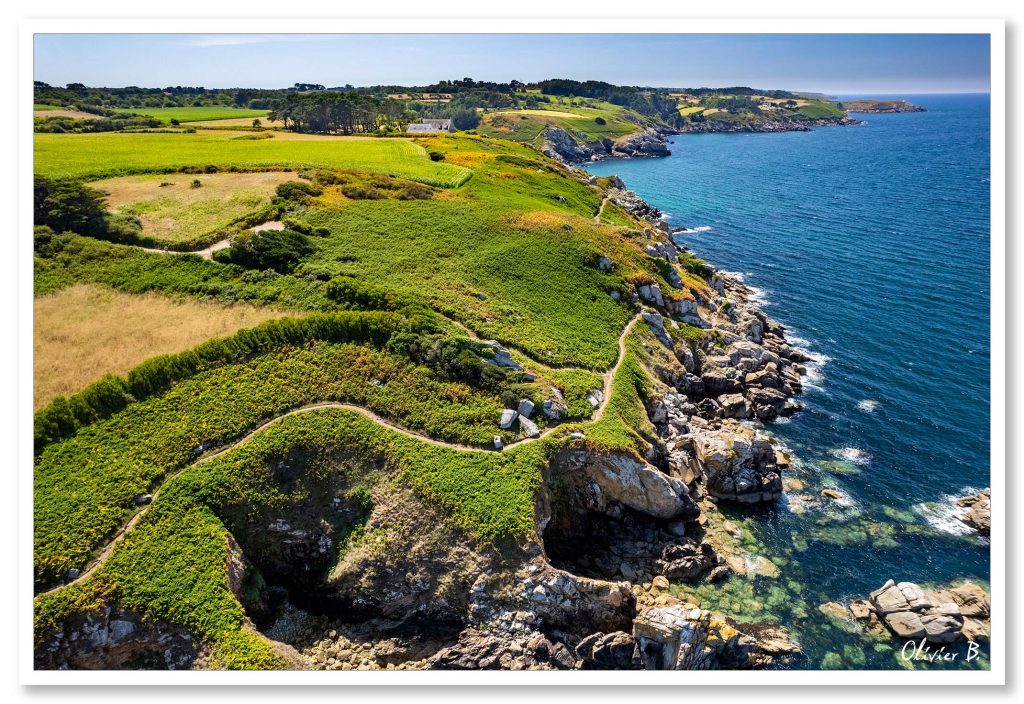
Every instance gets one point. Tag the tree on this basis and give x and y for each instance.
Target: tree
(465, 119)
(257, 124)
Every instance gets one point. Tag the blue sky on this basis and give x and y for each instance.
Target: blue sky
(836, 64)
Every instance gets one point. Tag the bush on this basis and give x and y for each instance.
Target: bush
(69, 206)
(436, 156)
(278, 250)
(600, 121)
(415, 191)
(298, 190)
(362, 192)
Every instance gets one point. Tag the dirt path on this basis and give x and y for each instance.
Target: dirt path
(608, 378)
(600, 210)
(204, 253)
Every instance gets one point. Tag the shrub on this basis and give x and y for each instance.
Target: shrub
(436, 156)
(415, 191)
(298, 191)
(362, 192)
(278, 250)
(600, 121)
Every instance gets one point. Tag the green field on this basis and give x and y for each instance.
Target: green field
(195, 114)
(42, 107)
(818, 109)
(526, 125)
(122, 154)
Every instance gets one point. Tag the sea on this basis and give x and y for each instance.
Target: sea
(870, 244)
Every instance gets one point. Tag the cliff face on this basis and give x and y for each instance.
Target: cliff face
(560, 145)
(710, 126)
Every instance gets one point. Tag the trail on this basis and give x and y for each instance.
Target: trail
(600, 210)
(608, 378)
(206, 253)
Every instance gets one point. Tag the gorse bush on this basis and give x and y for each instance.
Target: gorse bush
(278, 250)
(454, 359)
(64, 416)
(298, 190)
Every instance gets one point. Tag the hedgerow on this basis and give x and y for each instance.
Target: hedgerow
(64, 416)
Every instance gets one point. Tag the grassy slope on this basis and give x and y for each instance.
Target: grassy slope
(118, 154)
(504, 235)
(526, 125)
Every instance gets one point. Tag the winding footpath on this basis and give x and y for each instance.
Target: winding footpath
(608, 378)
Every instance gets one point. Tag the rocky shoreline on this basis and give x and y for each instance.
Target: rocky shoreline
(652, 142)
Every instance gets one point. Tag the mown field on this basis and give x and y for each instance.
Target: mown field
(194, 114)
(85, 331)
(188, 207)
(119, 154)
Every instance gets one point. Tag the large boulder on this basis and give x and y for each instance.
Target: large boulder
(738, 463)
(911, 612)
(979, 511)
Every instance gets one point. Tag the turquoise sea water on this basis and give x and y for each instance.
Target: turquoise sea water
(871, 245)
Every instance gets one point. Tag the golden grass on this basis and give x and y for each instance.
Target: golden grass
(85, 331)
(170, 208)
(76, 114)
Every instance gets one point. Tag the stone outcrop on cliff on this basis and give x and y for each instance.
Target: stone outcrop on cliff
(979, 511)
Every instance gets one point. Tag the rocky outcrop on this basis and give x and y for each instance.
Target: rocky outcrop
(911, 612)
(738, 463)
(112, 639)
(979, 511)
(573, 148)
(709, 126)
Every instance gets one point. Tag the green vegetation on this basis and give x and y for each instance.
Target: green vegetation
(589, 120)
(277, 250)
(78, 508)
(172, 566)
(197, 114)
(119, 154)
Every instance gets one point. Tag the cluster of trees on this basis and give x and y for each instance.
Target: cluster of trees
(330, 112)
(93, 99)
(741, 90)
(650, 102)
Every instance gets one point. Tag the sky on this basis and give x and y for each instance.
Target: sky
(836, 64)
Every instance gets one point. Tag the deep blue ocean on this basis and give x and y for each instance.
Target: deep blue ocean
(870, 244)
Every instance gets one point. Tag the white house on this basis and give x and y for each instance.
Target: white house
(431, 126)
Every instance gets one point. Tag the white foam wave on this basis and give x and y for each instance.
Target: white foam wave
(853, 455)
(701, 228)
(942, 514)
(867, 405)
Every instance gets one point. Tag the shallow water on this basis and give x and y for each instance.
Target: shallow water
(871, 245)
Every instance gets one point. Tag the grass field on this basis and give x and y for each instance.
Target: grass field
(172, 209)
(121, 154)
(526, 125)
(227, 122)
(40, 107)
(85, 331)
(194, 114)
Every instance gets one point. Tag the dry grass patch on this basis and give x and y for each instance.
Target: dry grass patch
(172, 209)
(85, 331)
(75, 114)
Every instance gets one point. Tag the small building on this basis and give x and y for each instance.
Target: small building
(424, 126)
